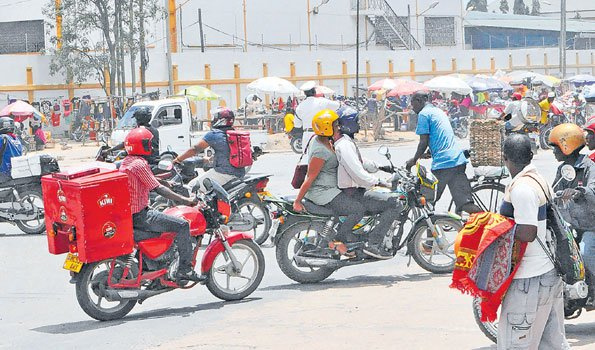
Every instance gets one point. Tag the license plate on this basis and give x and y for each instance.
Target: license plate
(72, 263)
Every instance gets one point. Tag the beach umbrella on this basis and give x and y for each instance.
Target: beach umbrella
(323, 90)
(406, 87)
(487, 83)
(448, 84)
(383, 84)
(273, 85)
(21, 110)
(582, 79)
(198, 93)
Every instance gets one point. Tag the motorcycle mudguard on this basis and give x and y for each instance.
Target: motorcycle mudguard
(217, 247)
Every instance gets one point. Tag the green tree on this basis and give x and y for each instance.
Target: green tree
(478, 5)
(535, 8)
(94, 39)
(520, 8)
(504, 6)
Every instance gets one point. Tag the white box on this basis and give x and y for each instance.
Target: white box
(25, 166)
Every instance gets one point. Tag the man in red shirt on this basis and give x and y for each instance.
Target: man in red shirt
(141, 181)
(590, 136)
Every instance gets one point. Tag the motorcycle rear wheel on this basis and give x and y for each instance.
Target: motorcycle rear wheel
(296, 145)
(489, 329)
(544, 135)
(290, 243)
(89, 285)
(35, 198)
(262, 217)
(425, 250)
(252, 260)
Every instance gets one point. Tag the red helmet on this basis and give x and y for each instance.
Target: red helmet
(590, 126)
(517, 96)
(223, 117)
(138, 142)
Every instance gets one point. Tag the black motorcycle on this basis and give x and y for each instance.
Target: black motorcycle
(306, 251)
(21, 199)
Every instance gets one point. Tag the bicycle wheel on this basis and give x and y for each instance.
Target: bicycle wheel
(488, 196)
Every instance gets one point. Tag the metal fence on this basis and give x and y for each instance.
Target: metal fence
(22, 37)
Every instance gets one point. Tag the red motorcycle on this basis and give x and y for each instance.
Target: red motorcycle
(108, 282)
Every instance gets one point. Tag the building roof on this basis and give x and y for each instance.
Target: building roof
(498, 20)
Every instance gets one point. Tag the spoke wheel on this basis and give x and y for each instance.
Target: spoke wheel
(261, 215)
(490, 329)
(33, 200)
(291, 242)
(227, 283)
(90, 285)
(426, 251)
(488, 196)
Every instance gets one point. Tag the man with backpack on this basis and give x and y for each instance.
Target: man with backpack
(233, 152)
(10, 147)
(532, 312)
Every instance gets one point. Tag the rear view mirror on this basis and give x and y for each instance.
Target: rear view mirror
(384, 151)
(568, 172)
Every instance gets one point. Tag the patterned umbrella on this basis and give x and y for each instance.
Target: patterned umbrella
(406, 87)
(198, 93)
(20, 110)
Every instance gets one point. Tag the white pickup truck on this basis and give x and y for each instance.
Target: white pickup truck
(172, 117)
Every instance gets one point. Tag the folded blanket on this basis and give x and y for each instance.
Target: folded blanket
(487, 257)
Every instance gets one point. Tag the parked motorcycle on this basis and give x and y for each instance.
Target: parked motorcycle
(232, 264)
(21, 200)
(295, 140)
(304, 236)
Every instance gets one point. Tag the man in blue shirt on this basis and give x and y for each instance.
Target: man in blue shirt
(223, 171)
(10, 147)
(448, 160)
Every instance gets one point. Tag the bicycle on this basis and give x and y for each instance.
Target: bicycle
(487, 191)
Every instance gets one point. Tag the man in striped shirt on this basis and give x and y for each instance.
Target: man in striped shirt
(141, 181)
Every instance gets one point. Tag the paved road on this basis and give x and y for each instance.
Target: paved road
(385, 305)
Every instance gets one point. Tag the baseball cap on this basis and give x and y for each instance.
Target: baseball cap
(309, 85)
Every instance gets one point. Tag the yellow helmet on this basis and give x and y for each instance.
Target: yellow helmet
(568, 137)
(322, 123)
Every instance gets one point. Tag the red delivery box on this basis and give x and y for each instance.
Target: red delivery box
(88, 212)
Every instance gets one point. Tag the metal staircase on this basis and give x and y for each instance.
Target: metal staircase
(389, 29)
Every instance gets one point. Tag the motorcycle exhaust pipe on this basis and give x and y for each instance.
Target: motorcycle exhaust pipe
(134, 294)
(302, 261)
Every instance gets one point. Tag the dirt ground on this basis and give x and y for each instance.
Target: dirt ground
(280, 142)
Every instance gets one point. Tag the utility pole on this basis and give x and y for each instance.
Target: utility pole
(563, 39)
(202, 37)
(309, 28)
(245, 32)
(357, 57)
(131, 46)
(170, 71)
(142, 52)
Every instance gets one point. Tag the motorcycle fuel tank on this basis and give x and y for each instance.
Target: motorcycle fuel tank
(198, 224)
(88, 209)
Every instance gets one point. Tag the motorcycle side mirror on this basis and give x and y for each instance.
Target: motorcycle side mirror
(568, 173)
(165, 165)
(384, 151)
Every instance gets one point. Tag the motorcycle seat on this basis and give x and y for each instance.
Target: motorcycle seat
(290, 198)
(142, 235)
(316, 209)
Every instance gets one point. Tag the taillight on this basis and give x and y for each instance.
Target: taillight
(262, 184)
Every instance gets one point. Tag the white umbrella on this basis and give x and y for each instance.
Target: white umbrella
(273, 85)
(448, 84)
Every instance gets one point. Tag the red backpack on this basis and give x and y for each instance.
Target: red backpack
(240, 149)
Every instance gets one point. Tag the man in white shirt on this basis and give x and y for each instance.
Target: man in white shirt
(354, 180)
(513, 113)
(532, 313)
(305, 111)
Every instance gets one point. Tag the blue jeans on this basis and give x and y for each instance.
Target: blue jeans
(589, 252)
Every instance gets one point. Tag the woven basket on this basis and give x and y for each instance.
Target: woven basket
(485, 138)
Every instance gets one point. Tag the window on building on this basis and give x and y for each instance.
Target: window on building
(440, 31)
(22, 36)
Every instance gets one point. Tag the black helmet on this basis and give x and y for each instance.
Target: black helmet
(6, 125)
(143, 116)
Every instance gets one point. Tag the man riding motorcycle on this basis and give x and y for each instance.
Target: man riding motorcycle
(10, 147)
(513, 113)
(545, 106)
(354, 180)
(567, 141)
(223, 171)
(152, 223)
(143, 118)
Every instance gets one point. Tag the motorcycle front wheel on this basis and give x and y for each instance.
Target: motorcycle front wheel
(225, 282)
(34, 198)
(425, 250)
(91, 283)
(489, 329)
(291, 242)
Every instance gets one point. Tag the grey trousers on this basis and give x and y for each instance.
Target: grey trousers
(532, 314)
